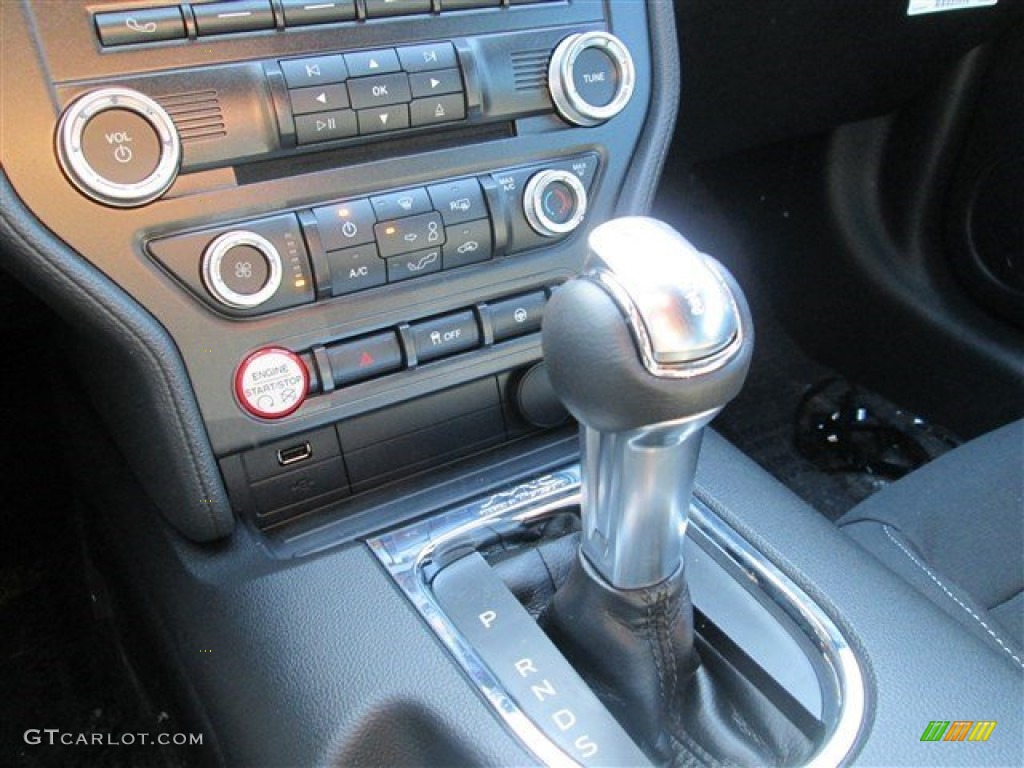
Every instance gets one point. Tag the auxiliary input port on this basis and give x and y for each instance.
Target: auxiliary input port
(294, 454)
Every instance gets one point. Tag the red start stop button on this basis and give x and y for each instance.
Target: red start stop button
(271, 383)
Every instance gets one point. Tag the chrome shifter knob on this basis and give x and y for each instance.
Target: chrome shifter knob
(644, 348)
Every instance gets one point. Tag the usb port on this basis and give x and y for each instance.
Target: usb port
(294, 454)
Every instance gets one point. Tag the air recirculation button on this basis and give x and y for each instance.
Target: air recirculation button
(119, 147)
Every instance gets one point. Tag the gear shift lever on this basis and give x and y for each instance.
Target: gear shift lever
(645, 349)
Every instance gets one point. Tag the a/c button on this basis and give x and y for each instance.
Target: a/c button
(356, 269)
(121, 146)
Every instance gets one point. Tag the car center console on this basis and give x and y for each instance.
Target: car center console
(347, 216)
(303, 251)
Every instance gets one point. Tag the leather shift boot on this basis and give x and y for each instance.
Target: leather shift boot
(636, 649)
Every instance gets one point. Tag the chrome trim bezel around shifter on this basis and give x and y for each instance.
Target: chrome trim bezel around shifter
(412, 553)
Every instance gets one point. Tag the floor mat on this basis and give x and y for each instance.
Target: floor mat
(831, 442)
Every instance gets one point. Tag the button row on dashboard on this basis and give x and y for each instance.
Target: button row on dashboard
(343, 95)
(404, 235)
(164, 23)
(370, 357)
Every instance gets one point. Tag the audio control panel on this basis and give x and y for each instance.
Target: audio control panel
(341, 248)
(125, 146)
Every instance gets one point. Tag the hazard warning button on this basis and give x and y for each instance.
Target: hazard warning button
(365, 358)
(271, 383)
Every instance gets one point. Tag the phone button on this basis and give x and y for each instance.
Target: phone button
(144, 25)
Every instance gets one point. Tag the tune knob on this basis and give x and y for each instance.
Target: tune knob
(242, 269)
(118, 147)
(591, 77)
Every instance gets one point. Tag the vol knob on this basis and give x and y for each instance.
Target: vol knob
(119, 147)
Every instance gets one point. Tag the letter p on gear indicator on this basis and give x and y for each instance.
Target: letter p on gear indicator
(271, 383)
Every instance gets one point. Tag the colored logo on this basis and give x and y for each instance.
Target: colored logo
(958, 730)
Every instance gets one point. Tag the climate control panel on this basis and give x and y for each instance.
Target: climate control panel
(357, 244)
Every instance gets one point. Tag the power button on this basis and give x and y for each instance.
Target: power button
(119, 147)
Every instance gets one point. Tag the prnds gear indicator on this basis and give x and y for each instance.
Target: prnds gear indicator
(271, 383)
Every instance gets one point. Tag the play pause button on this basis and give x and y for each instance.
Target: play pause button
(322, 99)
(382, 119)
(325, 126)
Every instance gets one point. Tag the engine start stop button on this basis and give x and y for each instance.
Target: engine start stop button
(271, 383)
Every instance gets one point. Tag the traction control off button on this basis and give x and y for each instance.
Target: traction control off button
(271, 383)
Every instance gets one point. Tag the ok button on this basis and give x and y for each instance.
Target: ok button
(379, 91)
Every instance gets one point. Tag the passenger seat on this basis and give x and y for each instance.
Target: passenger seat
(955, 530)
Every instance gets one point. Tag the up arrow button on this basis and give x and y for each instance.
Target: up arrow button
(379, 61)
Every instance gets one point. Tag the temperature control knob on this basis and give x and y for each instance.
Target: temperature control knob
(242, 269)
(554, 202)
(591, 77)
(119, 147)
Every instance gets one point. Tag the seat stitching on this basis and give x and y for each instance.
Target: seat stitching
(951, 596)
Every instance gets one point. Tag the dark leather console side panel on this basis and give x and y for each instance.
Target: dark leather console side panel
(131, 366)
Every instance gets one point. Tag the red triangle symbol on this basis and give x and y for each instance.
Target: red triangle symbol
(365, 359)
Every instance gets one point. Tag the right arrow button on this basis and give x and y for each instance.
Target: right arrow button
(435, 83)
